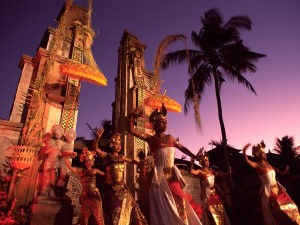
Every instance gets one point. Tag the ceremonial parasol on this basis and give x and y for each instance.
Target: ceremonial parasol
(156, 100)
(84, 72)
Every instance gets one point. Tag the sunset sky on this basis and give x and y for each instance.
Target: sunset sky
(273, 112)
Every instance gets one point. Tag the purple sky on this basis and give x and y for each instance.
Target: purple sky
(273, 113)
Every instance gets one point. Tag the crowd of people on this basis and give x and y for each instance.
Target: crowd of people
(168, 203)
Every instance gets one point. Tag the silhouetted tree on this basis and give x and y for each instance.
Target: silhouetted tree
(286, 148)
(220, 52)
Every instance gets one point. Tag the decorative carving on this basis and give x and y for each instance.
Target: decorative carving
(74, 188)
(22, 157)
(70, 106)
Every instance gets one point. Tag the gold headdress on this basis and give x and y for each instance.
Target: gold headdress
(156, 115)
(258, 149)
(202, 155)
(87, 155)
(114, 138)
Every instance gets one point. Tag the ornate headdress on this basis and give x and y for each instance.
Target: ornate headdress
(258, 149)
(87, 155)
(115, 137)
(202, 155)
(156, 115)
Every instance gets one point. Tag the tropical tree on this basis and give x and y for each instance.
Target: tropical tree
(220, 53)
(286, 148)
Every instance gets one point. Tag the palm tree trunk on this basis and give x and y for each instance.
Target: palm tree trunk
(220, 115)
(228, 184)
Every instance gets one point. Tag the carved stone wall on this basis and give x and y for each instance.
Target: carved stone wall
(9, 134)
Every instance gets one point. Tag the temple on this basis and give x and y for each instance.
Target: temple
(45, 112)
(48, 94)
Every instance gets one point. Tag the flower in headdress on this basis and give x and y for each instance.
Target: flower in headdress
(87, 155)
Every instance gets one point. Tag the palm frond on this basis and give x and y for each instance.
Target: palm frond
(232, 29)
(212, 16)
(175, 56)
(160, 53)
(197, 116)
(286, 147)
(215, 143)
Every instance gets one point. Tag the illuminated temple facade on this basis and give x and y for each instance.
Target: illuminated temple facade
(48, 93)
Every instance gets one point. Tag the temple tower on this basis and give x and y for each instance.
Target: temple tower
(136, 87)
(132, 87)
(48, 92)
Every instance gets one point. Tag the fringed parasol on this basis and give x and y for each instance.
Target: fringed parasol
(84, 73)
(156, 100)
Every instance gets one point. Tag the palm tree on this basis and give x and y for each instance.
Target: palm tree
(286, 148)
(220, 53)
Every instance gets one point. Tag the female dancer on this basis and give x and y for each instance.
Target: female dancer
(214, 212)
(119, 203)
(277, 207)
(168, 204)
(90, 199)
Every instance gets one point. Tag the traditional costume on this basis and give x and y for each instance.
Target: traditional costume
(168, 202)
(90, 199)
(120, 205)
(214, 212)
(277, 206)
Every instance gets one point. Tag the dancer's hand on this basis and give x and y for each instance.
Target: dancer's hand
(99, 133)
(246, 147)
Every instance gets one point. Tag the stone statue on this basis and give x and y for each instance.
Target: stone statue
(68, 145)
(49, 154)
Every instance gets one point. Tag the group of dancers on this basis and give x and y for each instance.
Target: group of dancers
(168, 202)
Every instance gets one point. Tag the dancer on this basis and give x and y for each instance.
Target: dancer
(277, 207)
(90, 199)
(214, 212)
(168, 204)
(119, 203)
